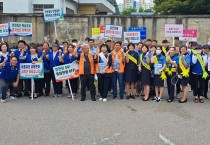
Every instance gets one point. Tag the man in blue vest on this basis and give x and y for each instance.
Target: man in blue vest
(9, 77)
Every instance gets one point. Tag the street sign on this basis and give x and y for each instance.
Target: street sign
(142, 30)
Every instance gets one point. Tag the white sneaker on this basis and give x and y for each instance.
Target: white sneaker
(3, 101)
(105, 99)
(13, 98)
(55, 95)
(69, 96)
(101, 99)
(59, 95)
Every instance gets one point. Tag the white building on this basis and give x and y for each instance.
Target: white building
(121, 7)
(69, 6)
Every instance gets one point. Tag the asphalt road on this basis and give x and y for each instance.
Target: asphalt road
(62, 121)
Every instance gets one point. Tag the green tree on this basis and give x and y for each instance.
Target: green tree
(128, 11)
(189, 7)
(141, 9)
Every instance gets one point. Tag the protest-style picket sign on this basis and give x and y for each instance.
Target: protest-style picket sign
(173, 30)
(142, 30)
(31, 71)
(113, 31)
(66, 72)
(133, 36)
(189, 35)
(4, 31)
(21, 29)
(96, 33)
(53, 15)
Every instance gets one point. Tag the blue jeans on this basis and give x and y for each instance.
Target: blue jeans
(117, 76)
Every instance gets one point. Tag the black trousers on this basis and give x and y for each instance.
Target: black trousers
(198, 85)
(206, 86)
(101, 78)
(74, 85)
(57, 86)
(107, 83)
(24, 85)
(5, 85)
(47, 82)
(170, 86)
(178, 87)
(87, 81)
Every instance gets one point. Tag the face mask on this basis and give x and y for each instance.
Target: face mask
(158, 52)
(198, 51)
(188, 50)
(208, 43)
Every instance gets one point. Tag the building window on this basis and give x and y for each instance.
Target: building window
(1, 7)
(39, 8)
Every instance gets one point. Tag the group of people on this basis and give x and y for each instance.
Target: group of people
(137, 68)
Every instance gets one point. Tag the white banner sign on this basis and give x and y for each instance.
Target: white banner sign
(4, 30)
(53, 15)
(172, 30)
(67, 71)
(113, 31)
(21, 29)
(133, 36)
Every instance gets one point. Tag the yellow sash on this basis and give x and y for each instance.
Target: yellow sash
(144, 64)
(205, 74)
(170, 70)
(163, 75)
(164, 50)
(132, 58)
(185, 71)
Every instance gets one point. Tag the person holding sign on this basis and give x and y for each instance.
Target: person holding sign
(33, 58)
(199, 73)
(55, 59)
(171, 70)
(47, 74)
(20, 54)
(206, 56)
(104, 70)
(68, 58)
(131, 70)
(118, 66)
(9, 78)
(159, 62)
(145, 69)
(86, 71)
(183, 70)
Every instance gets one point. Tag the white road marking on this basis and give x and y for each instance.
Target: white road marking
(164, 139)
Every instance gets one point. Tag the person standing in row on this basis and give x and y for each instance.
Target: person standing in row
(183, 70)
(131, 70)
(145, 69)
(206, 55)
(118, 66)
(86, 71)
(68, 58)
(159, 62)
(171, 69)
(55, 59)
(9, 78)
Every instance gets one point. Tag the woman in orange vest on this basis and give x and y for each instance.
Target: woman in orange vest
(86, 71)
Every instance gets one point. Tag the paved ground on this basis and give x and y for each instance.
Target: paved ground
(61, 121)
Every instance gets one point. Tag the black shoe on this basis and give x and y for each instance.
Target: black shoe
(121, 97)
(132, 96)
(114, 98)
(127, 97)
(185, 101)
(46, 95)
(169, 100)
(19, 95)
(206, 97)
(145, 99)
(93, 99)
(82, 99)
(26, 94)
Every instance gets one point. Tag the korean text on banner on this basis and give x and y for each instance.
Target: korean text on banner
(96, 32)
(21, 29)
(52, 15)
(133, 36)
(65, 72)
(4, 30)
(31, 71)
(189, 34)
(113, 31)
(172, 30)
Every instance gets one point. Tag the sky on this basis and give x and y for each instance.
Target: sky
(119, 1)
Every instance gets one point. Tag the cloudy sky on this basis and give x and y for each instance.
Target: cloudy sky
(119, 1)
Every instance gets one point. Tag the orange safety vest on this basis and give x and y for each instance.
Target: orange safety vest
(120, 58)
(82, 62)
